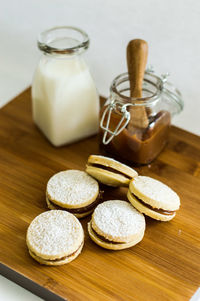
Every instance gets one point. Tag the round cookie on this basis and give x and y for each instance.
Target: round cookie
(153, 198)
(55, 237)
(74, 191)
(109, 171)
(116, 225)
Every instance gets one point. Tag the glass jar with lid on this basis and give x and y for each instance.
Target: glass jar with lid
(160, 101)
(65, 101)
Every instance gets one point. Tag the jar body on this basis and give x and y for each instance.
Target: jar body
(139, 147)
(136, 144)
(65, 101)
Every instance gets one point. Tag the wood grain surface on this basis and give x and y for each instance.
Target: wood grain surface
(164, 266)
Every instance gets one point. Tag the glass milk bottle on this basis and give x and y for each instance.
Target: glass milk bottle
(65, 102)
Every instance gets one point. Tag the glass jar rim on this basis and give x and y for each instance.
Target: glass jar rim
(46, 37)
(124, 77)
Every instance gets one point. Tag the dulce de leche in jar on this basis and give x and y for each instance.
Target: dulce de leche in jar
(118, 134)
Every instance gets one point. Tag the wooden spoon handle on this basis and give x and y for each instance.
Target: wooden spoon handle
(137, 52)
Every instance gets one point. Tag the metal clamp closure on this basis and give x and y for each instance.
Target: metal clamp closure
(122, 109)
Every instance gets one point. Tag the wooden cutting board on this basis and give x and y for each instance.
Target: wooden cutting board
(164, 266)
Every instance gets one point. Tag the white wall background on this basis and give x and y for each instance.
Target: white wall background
(172, 29)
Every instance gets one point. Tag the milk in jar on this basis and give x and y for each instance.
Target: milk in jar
(65, 101)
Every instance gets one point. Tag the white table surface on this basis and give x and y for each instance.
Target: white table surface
(170, 27)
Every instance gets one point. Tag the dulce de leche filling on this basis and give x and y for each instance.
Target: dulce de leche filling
(161, 211)
(104, 239)
(77, 210)
(108, 168)
(59, 259)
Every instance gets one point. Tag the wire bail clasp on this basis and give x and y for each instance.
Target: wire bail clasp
(121, 109)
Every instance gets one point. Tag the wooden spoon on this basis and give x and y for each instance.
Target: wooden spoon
(137, 52)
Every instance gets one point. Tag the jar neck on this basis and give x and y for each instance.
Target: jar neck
(63, 41)
(151, 90)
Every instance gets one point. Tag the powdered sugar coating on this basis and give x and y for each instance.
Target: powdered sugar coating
(118, 219)
(162, 196)
(72, 187)
(54, 233)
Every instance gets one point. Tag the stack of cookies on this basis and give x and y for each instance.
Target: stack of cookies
(56, 237)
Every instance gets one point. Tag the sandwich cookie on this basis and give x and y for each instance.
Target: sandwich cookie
(109, 171)
(153, 198)
(116, 225)
(55, 237)
(74, 191)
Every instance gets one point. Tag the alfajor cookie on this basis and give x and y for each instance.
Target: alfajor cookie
(153, 198)
(55, 237)
(109, 171)
(116, 225)
(74, 191)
